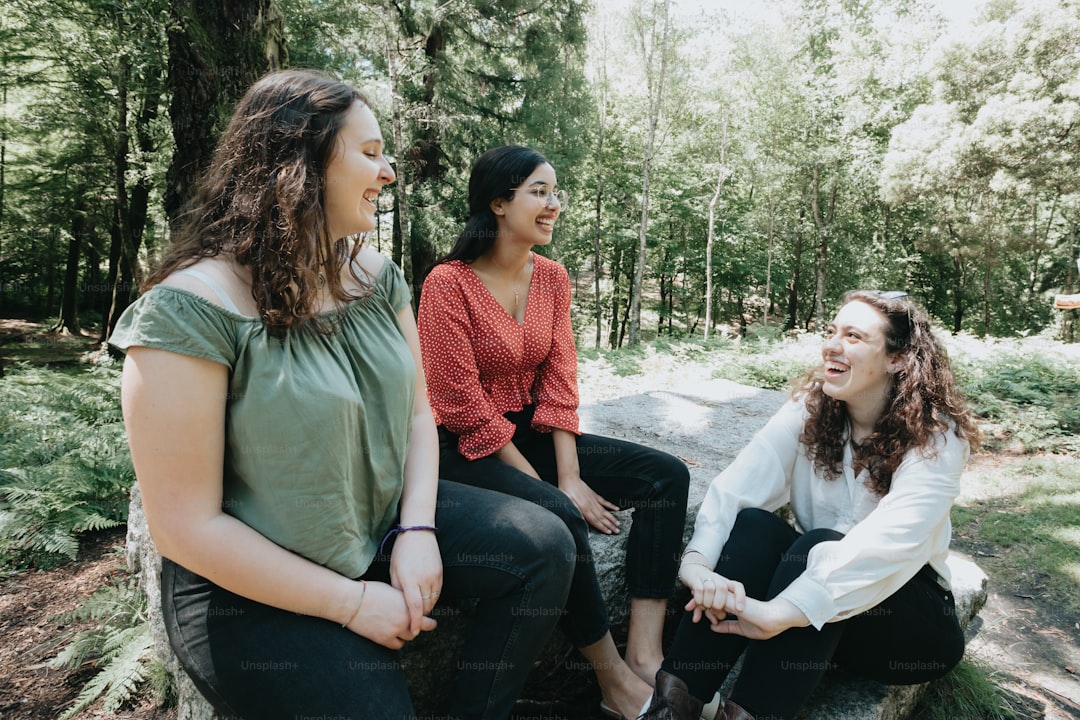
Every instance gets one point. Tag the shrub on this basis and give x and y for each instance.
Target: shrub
(64, 462)
(119, 646)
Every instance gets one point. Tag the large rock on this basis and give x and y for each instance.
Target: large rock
(706, 424)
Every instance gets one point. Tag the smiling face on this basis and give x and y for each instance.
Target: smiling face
(857, 364)
(530, 215)
(355, 175)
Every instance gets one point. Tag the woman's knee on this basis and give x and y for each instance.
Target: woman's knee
(672, 472)
(540, 539)
(757, 522)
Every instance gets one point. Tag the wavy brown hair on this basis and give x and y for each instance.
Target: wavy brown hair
(261, 200)
(924, 399)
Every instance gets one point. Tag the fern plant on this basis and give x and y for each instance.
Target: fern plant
(118, 643)
(64, 463)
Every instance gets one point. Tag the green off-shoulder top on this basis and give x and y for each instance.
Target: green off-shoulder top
(317, 426)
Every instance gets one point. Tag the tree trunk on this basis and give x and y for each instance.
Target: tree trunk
(793, 285)
(721, 177)
(3, 169)
(426, 159)
(69, 301)
(120, 235)
(217, 49)
(823, 223)
(50, 269)
(740, 308)
(655, 98)
(132, 211)
(626, 307)
(1068, 327)
(401, 223)
(768, 262)
(597, 262)
(958, 295)
(616, 270)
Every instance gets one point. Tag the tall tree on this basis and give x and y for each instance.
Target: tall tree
(651, 24)
(217, 49)
(986, 154)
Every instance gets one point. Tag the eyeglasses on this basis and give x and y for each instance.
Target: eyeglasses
(545, 196)
(890, 294)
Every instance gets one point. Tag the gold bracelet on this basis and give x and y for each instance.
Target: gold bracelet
(701, 564)
(363, 591)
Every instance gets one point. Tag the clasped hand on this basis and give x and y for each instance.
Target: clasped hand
(394, 614)
(715, 597)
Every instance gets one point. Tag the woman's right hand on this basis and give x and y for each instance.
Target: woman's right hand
(713, 595)
(384, 617)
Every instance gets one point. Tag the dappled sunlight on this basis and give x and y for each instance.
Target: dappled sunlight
(680, 412)
(1073, 570)
(1070, 499)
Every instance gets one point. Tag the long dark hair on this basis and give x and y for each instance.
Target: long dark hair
(923, 399)
(262, 198)
(495, 174)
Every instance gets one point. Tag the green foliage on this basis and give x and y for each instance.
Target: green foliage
(766, 364)
(968, 693)
(627, 361)
(64, 462)
(1029, 397)
(119, 645)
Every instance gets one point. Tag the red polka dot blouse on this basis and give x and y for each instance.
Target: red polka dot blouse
(481, 363)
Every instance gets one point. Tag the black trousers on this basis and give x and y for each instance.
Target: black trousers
(653, 483)
(257, 662)
(911, 637)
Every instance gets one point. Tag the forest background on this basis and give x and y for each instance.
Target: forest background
(725, 167)
(733, 169)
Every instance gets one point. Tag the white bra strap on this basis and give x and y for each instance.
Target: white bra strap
(213, 285)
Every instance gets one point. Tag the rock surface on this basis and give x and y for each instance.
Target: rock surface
(706, 423)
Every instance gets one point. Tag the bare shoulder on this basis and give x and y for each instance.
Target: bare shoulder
(370, 262)
(211, 278)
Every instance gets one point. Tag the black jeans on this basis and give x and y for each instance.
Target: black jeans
(911, 637)
(653, 483)
(257, 662)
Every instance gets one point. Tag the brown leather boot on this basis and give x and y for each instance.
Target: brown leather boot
(732, 711)
(672, 701)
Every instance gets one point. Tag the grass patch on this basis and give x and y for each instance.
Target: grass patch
(970, 692)
(1029, 541)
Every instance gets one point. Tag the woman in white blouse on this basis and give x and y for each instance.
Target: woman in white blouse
(869, 454)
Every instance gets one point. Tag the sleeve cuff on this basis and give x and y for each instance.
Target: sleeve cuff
(547, 418)
(486, 439)
(814, 600)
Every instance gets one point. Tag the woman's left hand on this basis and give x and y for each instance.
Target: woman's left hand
(416, 570)
(597, 511)
(760, 620)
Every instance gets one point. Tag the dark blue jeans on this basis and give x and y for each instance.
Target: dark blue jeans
(260, 663)
(653, 483)
(910, 637)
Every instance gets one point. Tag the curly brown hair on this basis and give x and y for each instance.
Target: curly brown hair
(261, 201)
(923, 399)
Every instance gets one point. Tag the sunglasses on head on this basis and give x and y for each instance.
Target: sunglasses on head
(890, 294)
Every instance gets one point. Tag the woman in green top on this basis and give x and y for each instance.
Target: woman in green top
(287, 458)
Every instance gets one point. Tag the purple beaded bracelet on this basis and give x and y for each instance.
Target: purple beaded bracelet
(404, 528)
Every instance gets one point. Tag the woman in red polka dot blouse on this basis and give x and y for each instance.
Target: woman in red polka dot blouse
(501, 365)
